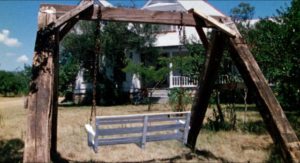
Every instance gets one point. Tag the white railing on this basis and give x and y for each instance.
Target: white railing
(226, 79)
(182, 81)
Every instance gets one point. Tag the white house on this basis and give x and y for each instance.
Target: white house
(168, 40)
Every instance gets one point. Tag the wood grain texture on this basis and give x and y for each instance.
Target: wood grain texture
(214, 22)
(72, 13)
(42, 100)
(127, 15)
(143, 127)
(207, 81)
(270, 109)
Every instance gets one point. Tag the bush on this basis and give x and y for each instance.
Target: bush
(179, 98)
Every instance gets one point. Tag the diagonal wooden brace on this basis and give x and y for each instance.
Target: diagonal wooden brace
(200, 105)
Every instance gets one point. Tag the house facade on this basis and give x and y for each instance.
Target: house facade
(168, 40)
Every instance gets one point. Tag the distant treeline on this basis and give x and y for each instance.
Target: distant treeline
(14, 83)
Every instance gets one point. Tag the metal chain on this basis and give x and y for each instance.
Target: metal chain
(180, 46)
(97, 52)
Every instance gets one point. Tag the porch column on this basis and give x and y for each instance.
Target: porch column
(171, 72)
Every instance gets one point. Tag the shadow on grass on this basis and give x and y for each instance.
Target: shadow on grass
(11, 150)
(275, 155)
(56, 157)
(209, 155)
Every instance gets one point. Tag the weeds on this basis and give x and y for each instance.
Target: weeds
(256, 127)
(179, 99)
(222, 120)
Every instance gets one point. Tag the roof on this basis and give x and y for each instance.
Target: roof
(104, 3)
(201, 5)
(182, 5)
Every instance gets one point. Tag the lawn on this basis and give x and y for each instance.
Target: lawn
(233, 146)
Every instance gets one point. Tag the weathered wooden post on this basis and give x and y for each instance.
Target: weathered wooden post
(270, 109)
(42, 100)
(207, 82)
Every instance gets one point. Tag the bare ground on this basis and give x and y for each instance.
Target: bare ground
(222, 146)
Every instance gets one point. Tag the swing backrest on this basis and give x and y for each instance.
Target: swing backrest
(141, 128)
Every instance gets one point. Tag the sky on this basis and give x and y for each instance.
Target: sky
(18, 24)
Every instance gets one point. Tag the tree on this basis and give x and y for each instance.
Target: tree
(78, 49)
(242, 16)
(276, 46)
(15, 83)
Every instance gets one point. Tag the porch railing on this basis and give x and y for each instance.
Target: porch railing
(182, 81)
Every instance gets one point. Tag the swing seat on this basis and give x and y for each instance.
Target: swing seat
(112, 130)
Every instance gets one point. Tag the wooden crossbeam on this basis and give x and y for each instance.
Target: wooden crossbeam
(214, 22)
(200, 31)
(66, 28)
(130, 15)
(72, 13)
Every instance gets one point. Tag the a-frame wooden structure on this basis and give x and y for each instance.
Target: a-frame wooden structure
(54, 21)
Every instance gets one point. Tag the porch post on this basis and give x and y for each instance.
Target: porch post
(171, 72)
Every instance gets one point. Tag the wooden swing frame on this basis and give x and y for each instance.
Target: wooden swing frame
(55, 21)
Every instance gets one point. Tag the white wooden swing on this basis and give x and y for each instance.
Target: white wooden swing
(138, 128)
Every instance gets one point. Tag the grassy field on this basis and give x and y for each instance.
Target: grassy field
(225, 146)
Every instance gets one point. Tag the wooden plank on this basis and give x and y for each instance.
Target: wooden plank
(114, 141)
(144, 134)
(66, 28)
(177, 136)
(199, 29)
(203, 94)
(139, 120)
(270, 109)
(129, 140)
(130, 130)
(41, 99)
(147, 16)
(131, 15)
(186, 128)
(72, 13)
(53, 148)
(215, 23)
(138, 115)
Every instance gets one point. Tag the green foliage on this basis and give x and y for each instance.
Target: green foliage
(244, 11)
(11, 150)
(191, 63)
(69, 68)
(15, 83)
(117, 40)
(179, 99)
(276, 45)
(149, 73)
(256, 127)
(215, 123)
